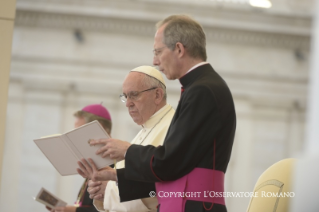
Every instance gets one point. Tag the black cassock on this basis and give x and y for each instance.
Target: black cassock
(87, 203)
(205, 114)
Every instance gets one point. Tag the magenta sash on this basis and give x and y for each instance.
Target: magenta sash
(204, 185)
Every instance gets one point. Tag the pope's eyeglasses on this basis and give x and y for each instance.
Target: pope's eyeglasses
(133, 95)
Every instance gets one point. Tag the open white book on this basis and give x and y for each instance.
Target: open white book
(63, 151)
(48, 199)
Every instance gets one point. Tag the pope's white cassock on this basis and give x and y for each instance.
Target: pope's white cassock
(153, 133)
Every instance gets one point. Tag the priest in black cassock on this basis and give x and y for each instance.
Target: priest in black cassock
(198, 144)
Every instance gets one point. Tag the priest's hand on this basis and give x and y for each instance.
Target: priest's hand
(97, 189)
(113, 148)
(90, 171)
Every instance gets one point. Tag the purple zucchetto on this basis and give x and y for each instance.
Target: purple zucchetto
(98, 110)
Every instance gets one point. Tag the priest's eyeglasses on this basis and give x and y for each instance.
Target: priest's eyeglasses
(133, 95)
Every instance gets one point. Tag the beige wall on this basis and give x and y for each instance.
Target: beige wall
(7, 14)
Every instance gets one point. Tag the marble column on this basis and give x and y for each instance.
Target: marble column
(312, 133)
(239, 173)
(306, 173)
(12, 149)
(7, 16)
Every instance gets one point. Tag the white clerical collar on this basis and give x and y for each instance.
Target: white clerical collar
(195, 66)
(156, 116)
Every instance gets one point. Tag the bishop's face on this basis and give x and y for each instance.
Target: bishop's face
(79, 121)
(142, 106)
(166, 59)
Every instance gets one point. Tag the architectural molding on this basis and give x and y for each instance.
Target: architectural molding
(28, 63)
(241, 25)
(260, 95)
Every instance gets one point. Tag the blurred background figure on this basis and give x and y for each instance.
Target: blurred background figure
(86, 115)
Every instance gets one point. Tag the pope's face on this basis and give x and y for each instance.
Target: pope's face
(142, 106)
(165, 58)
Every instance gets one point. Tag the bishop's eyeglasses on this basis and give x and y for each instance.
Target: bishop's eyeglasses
(133, 95)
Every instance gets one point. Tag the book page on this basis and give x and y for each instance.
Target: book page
(80, 139)
(61, 157)
(71, 146)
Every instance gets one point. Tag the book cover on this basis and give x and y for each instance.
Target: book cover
(48, 199)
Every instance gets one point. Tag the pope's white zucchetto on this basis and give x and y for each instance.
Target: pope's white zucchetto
(150, 71)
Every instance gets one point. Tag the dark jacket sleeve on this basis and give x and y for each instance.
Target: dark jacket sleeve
(130, 190)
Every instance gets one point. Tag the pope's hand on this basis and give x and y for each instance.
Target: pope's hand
(90, 171)
(113, 148)
(97, 189)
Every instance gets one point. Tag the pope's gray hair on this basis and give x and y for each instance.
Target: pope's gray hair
(150, 82)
